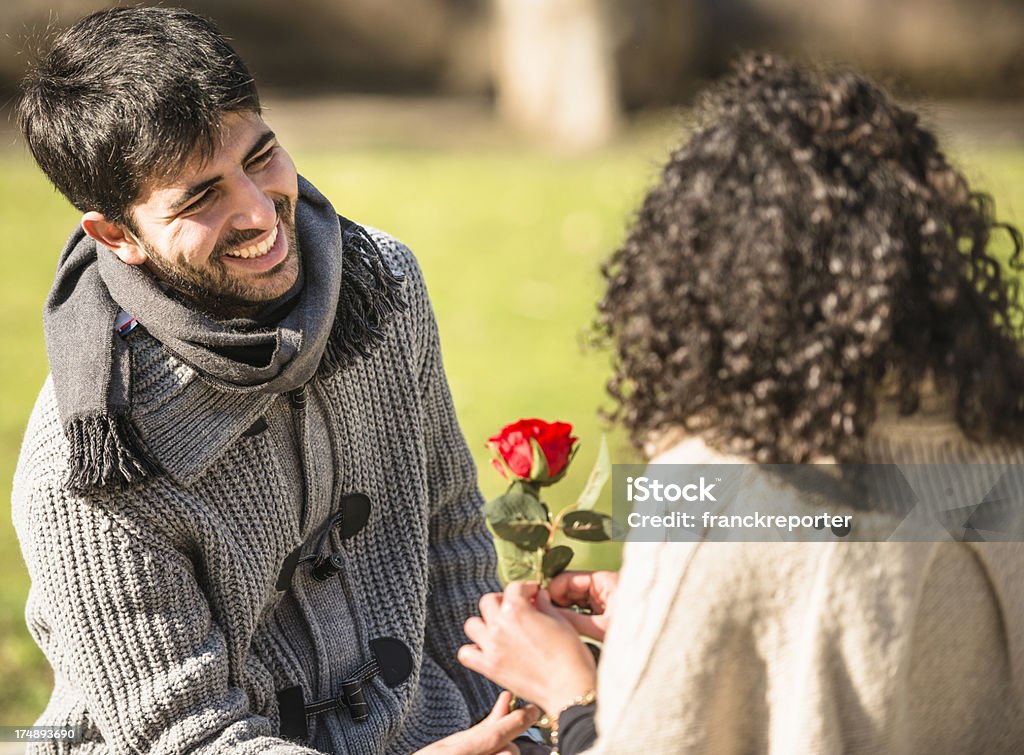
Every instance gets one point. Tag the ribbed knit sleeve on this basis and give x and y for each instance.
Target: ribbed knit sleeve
(121, 617)
(462, 560)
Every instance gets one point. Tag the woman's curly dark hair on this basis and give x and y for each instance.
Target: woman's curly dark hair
(806, 246)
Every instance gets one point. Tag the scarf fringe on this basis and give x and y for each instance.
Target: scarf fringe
(370, 295)
(106, 451)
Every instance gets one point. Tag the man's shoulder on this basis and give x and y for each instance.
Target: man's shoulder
(398, 256)
(43, 461)
(44, 439)
(402, 262)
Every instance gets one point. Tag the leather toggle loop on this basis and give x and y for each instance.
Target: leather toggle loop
(352, 516)
(326, 567)
(353, 698)
(284, 578)
(392, 661)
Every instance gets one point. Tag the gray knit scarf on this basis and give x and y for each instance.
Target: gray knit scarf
(337, 316)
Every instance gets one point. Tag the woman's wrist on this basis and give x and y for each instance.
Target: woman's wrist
(567, 695)
(586, 699)
(557, 705)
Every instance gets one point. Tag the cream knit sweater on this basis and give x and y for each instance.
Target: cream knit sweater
(794, 648)
(158, 607)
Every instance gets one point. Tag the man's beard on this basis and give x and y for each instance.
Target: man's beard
(212, 288)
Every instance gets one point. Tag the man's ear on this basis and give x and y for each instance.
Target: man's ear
(115, 237)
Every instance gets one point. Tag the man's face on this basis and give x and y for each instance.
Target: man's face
(222, 231)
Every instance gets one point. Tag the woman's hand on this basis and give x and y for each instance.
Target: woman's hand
(525, 644)
(492, 736)
(590, 590)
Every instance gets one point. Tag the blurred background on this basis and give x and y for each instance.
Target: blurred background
(507, 143)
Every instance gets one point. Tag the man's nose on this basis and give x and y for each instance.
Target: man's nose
(255, 207)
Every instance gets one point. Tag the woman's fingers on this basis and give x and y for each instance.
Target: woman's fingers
(490, 604)
(593, 590)
(561, 615)
(473, 658)
(543, 603)
(518, 721)
(593, 626)
(476, 630)
(571, 588)
(502, 725)
(511, 724)
(501, 705)
(520, 595)
(525, 644)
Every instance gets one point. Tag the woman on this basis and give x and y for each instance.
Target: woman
(810, 281)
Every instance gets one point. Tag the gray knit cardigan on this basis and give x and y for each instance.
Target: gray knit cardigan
(159, 607)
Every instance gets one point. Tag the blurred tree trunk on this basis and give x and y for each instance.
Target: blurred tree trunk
(555, 70)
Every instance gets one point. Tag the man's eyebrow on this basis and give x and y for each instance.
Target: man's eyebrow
(192, 191)
(265, 138)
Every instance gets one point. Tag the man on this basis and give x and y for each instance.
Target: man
(249, 515)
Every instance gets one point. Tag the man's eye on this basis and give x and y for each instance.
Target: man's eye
(262, 159)
(198, 203)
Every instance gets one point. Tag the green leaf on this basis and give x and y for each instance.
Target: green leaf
(519, 572)
(519, 517)
(597, 480)
(555, 560)
(519, 502)
(527, 535)
(539, 469)
(588, 525)
(514, 563)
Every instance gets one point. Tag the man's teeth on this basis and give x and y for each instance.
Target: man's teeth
(257, 250)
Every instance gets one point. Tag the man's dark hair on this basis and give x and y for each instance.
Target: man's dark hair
(808, 246)
(127, 95)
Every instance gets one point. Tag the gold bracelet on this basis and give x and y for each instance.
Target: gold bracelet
(586, 699)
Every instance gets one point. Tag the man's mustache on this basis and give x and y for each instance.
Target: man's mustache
(240, 238)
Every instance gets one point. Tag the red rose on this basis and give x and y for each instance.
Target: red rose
(518, 445)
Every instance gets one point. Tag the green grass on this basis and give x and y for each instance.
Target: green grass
(510, 242)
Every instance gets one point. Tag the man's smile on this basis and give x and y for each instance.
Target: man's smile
(256, 250)
(263, 256)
